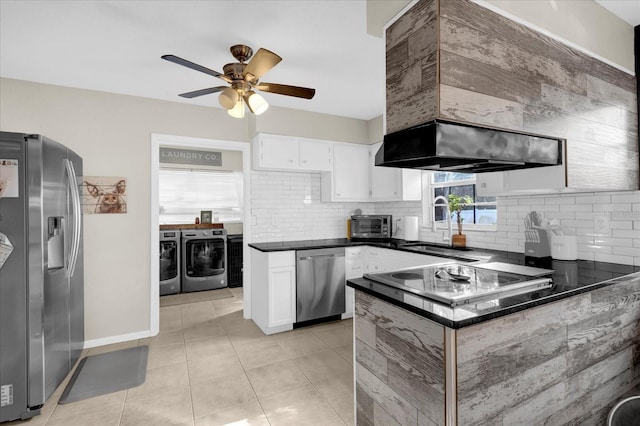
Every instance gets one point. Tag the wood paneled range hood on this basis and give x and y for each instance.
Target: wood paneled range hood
(456, 64)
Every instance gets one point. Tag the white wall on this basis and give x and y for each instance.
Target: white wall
(583, 22)
(113, 135)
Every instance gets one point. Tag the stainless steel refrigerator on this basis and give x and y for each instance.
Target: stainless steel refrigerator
(41, 270)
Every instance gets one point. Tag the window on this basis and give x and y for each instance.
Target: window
(481, 214)
(185, 192)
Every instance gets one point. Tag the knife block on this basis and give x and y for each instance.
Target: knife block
(539, 248)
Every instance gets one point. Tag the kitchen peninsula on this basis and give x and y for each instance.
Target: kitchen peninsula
(562, 355)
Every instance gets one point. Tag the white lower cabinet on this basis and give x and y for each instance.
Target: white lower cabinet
(373, 260)
(273, 287)
(273, 280)
(353, 268)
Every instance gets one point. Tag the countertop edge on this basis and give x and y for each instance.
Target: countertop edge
(357, 284)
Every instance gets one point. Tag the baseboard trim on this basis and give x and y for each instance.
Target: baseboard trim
(116, 339)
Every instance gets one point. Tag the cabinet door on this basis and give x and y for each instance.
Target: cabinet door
(353, 258)
(354, 268)
(374, 260)
(314, 155)
(350, 172)
(282, 295)
(411, 184)
(278, 152)
(542, 180)
(386, 182)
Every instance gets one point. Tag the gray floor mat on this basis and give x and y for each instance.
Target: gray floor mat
(105, 373)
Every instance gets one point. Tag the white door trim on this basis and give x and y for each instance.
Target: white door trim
(160, 140)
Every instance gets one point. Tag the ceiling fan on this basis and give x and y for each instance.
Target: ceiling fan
(244, 80)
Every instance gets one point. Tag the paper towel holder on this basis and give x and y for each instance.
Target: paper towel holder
(411, 228)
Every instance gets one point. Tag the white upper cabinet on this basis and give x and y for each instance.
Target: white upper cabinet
(351, 173)
(386, 182)
(349, 179)
(276, 152)
(541, 180)
(314, 155)
(393, 184)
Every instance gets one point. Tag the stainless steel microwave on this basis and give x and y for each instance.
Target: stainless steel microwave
(371, 226)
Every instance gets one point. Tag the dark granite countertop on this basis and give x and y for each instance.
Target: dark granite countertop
(468, 255)
(569, 279)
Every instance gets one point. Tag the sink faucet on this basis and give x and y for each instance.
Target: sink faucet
(445, 205)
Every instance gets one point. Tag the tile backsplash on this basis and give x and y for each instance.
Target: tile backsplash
(286, 206)
(607, 224)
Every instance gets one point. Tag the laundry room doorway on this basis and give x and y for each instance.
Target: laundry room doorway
(200, 197)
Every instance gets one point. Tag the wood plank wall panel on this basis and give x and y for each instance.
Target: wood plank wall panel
(399, 365)
(567, 93)
(486, 69)
(411, 67)
(567, 362)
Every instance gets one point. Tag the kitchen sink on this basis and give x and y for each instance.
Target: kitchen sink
(439, 250)
(427, 246)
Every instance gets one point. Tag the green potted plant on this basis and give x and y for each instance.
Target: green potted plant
(456, 204)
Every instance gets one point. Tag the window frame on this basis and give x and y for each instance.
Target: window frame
(428, 208)
(204, 171)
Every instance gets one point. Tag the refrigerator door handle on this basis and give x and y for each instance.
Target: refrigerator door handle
(75, 203)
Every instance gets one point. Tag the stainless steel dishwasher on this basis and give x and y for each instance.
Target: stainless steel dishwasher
(320, 283)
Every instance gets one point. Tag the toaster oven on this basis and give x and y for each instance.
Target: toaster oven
(371, 227)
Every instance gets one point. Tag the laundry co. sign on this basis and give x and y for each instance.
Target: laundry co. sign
(189, 156)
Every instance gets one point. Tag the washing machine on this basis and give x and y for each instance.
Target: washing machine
(169, 262)
(204, 253)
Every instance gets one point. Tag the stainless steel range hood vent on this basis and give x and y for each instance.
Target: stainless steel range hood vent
(455, 147)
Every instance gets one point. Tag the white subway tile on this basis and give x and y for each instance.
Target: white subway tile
(530, 202)
(614, 258)
(626, 233)
(612, 208)
(625, 251)
(576, 208)
(560, 200)
(633, 197)
(593, 199)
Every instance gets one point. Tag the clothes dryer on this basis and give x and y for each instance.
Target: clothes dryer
(169, 262)
(204, 254)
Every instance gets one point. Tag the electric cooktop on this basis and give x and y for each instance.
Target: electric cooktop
(456, 284)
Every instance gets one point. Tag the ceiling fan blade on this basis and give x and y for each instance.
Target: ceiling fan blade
(283, 89)
(202, 92)
(189, 64)
(261, 62)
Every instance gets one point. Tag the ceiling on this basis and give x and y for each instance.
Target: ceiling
(115, 46)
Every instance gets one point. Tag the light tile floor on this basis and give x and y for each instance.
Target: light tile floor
(209, 366)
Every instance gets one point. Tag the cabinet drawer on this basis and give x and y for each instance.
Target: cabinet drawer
(282, 258)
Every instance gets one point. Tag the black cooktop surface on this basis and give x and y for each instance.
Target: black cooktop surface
(456, 284)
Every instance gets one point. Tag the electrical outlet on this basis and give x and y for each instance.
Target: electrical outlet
(601, 225)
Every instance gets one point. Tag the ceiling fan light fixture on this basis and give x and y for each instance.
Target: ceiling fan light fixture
(228, 98)
(238, 110)
(257, 103)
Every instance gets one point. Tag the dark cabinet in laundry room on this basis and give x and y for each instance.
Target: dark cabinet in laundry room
(234, 260)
